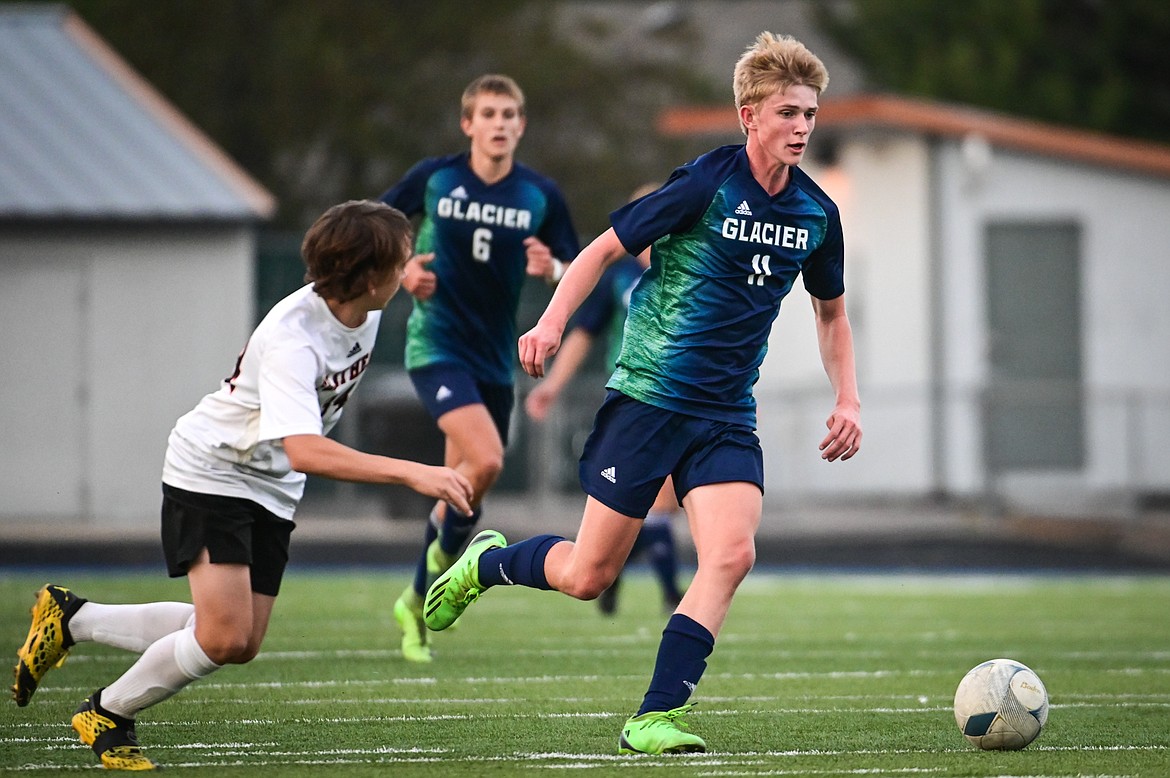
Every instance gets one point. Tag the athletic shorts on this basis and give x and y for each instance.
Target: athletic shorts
(445, 387)
(634, 446)
(232, 529)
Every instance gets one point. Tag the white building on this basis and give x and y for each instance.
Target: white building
(126, 255)
(1008, 285)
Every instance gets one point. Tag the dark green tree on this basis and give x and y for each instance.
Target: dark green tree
(326, 101)
(1097, 64)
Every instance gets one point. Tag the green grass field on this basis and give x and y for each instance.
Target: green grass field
(817, 675)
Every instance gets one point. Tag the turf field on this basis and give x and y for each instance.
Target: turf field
(813, 676)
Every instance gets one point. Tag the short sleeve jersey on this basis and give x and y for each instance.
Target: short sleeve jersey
(477, 233)
(724, 255)
(604, 310)
(293, 377)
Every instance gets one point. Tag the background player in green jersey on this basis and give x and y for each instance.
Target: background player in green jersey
(486, 222)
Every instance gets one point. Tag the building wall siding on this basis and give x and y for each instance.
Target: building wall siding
(126, 330)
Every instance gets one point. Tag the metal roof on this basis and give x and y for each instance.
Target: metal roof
(929, 117)
(84, 136)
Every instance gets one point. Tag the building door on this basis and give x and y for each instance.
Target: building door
(1033, 414)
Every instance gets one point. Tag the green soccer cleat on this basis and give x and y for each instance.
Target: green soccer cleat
(48, 641)
(438, 562)
(459, 586)
(110, 736)
(408, 614)
(660, 732)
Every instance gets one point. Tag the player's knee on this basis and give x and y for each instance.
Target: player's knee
(482, 469)
(246, 655)
(588, 585)
(584, 590)
(485, 469)
(745, 560)
(228, 647)
(736, 561)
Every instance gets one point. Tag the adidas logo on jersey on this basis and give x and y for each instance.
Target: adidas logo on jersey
(357, 347)
(459, 193)
(743, 210)
(443, 394)
(610, 474)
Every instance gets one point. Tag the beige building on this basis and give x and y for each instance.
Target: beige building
(126, 254)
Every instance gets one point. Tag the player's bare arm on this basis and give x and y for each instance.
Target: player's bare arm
(582, 275)
(325, 457)
(418, 279)
(835, 339)
(572, 353)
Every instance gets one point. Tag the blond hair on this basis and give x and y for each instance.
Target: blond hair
(773, 64)
(493, 84)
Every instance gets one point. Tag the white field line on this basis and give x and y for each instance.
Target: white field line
(483, 716)
(1126, 701)
(617, 715)
(729, 644)
(892, 771)
(1064, 700)
(480, 681)
(545, 760)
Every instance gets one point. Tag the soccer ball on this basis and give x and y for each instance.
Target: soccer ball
(1001, 705)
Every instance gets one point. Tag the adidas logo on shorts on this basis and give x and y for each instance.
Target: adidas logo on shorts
(443, 394)
(610, 474)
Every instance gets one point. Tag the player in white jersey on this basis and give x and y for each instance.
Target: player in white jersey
(234, 473)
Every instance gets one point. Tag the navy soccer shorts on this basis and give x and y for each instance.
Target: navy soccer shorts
(445, 387)
(634, 446)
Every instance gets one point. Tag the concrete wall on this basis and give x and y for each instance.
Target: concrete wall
(1125, 282)
(109, 336)
(881, 187)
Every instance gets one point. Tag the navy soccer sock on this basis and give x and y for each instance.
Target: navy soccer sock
(456, 529)
(659, 543)
(682, 656)
(420, 570)
(521, 564)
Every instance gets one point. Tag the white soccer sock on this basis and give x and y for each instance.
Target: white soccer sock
(169, 664)
(131, 627)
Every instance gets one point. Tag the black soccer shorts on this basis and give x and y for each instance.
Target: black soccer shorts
(232, 529)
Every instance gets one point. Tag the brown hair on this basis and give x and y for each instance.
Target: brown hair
(493, 84)
(772, 64)
(353, 245)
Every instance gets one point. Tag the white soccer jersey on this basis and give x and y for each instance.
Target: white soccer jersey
(292, 378)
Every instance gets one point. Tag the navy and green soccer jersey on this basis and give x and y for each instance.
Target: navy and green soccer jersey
(476, 231)
(724, 255)
(604, 310)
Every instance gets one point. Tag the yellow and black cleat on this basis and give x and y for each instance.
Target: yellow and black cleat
(110, 736)
(48, 641)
